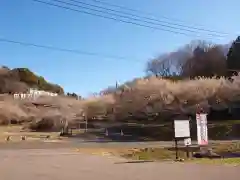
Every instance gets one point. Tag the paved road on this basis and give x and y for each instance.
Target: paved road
(63, 164)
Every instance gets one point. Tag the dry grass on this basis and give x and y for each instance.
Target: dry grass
(152, 154)
(120, 152)
(228, 161)
(144, 97)
(154, 95)
(162, 154)
(16, 132)
(227, 147)
(52, 108)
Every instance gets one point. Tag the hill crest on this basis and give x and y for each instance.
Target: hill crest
(21, 79)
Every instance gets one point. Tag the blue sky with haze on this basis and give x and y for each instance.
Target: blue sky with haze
(25, 20)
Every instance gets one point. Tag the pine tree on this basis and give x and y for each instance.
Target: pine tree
(233, 57)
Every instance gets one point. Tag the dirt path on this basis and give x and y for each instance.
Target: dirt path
(63, 164)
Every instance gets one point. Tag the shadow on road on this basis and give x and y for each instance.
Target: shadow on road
(230, 155)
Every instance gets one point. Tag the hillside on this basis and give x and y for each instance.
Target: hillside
(21, 79)
(159, 97)
(155, 100)
(43, 110)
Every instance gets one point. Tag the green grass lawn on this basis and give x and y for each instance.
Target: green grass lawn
(151, 154)
(230, 161)
(161, 154)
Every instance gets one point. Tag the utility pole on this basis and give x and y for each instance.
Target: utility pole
(86, 122)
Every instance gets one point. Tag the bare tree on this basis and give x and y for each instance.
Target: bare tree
(160, 66)
(198, 58)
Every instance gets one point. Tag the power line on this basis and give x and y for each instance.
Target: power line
(124, 16)
(151, 14)
(4, 40)
(115, 19)
(148, 18)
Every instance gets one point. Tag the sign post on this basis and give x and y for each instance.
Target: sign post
(202, 130)
(176, 148)
(182, 131)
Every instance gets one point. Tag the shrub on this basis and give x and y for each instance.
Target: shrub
(45, 124)
(164, 98)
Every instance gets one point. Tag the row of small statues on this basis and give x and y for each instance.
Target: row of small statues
(23, 138)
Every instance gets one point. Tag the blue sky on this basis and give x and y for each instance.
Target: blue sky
(25, 20)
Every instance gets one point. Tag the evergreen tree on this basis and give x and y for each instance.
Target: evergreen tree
(233, 57)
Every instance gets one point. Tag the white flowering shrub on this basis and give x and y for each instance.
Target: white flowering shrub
(157, 95)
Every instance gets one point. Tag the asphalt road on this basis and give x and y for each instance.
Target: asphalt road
(63, 164)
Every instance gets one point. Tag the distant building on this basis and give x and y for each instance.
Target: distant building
(41, 93)
(32, 94)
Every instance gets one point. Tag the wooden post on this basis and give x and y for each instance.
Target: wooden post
(176, 148)
(79, 126)
(86, 123)
(187, 149)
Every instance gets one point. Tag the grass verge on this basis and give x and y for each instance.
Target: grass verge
(15, 132)
(227, 161)
(162, 154)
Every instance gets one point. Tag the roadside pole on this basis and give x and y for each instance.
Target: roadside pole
(176, 148)
(86, 123)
